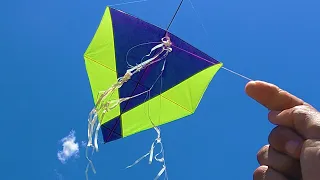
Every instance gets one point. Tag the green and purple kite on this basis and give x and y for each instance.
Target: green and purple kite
(142, 77)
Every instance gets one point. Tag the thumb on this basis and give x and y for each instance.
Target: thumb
(310, 159)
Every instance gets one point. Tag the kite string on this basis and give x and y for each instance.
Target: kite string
(205, 30)
(238, 74)
(125, 3)
(174, 16)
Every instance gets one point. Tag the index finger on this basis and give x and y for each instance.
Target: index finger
(271, 96)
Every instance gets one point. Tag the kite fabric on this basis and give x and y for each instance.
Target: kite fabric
(141, 77)
(187, 73)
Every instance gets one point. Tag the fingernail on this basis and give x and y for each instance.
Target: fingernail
(292, 147)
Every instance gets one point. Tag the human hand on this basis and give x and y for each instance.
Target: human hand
(293, 152)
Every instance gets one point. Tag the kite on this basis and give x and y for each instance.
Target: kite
(141, 77)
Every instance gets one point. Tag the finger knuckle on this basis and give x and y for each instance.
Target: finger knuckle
(307, 118)
(312, 143)
(300, 111)
(262, 155)
(259, 173)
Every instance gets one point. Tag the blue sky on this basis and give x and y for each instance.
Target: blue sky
(45, 91)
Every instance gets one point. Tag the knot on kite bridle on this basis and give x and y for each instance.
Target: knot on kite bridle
(166, 43)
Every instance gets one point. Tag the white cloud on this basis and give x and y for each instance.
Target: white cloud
(70, 147)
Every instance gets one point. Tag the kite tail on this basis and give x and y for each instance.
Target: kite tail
(90, 163)
(104, 106)
(152, 156)
(92, 121)
(167, 49)
(161, 160)
(96, 137)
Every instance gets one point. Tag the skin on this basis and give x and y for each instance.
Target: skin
(293, 152)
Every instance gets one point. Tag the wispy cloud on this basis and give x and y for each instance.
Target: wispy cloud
(70, 147)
